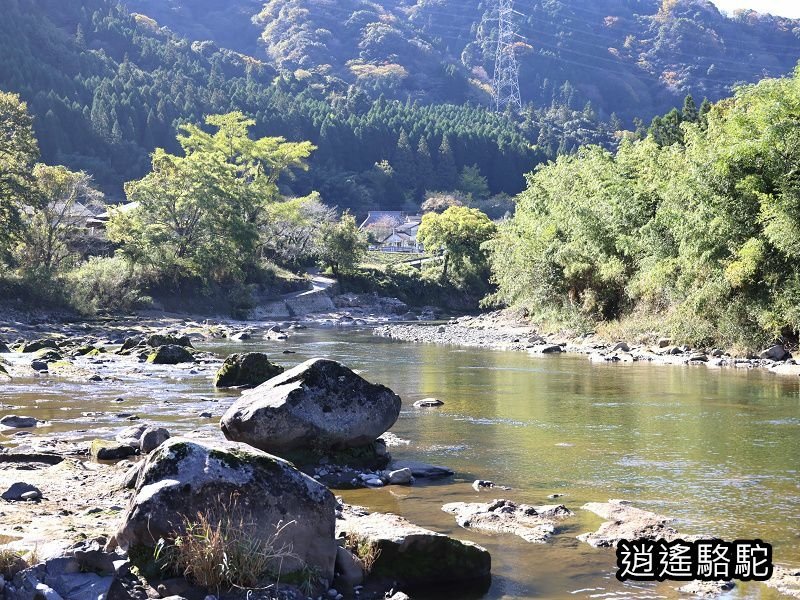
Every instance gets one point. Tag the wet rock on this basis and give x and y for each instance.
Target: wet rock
(776, 353)
(107, 450)
(251, 370)
(413, 556)
(546, 349)
(422, 470)
(275, 334)
(786, 581)
(625, 522)
(401, 477)
(242, 336)
(428, 403)
(17, 422)
(131, 343)
(38, 345)
(40, 366)
(707, 589)
(480, 485)
(18, 492)
(170, 355)
(664, 342)
(620, 347)
(320, 404)
(349, 570)
(157, 340)
(698, 357)
(534, 524)
(183, 477)
(152, 438)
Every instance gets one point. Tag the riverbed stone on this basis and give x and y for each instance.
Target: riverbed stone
(132, 435)
(184, 477)
(319, 405)
(170, 355)
(250, 369)
(37, 345)
(108, 450)
(152, 438)
(17, 492)
(546, 349)
(428, 403)
(626, 522)
(786, 581)
(413, 556)
(707, 589)
(157, 340)
(777, 353)
(535, 524)
(18, 422)
(422, 470)
(400, 477)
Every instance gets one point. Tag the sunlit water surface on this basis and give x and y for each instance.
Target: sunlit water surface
(718, 450)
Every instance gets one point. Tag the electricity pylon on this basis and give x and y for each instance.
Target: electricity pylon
(505, 85)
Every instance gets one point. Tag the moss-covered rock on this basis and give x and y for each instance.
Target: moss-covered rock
(107, 450)
(183, 478)
(250, 370)
(410, 555)
(38, 345)
(48, 355)
(170, 355)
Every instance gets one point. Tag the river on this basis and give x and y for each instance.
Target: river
(717, 449)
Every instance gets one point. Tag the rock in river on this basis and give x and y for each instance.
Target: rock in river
(182, 478)
(320, 405)
(170, 355)
(412, 556)
(250, 369)
(15, 422)
(626, 522)
(152, 438)
(531, 523)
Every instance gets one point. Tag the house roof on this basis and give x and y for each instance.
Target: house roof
(122, 208)
(376, 216)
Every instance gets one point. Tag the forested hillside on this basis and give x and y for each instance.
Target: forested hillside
(629, 57)
(106, 88)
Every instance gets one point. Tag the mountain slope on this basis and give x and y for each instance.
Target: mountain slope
(632, 57)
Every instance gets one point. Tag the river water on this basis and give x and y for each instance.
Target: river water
(717, 450)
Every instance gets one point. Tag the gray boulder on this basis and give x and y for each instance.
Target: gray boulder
(157, 340)
(250, 369)
(182, 478)
(170, 355)
(152, 438)
(320, 405)
(106, 450)
(38, 345)
(777, 353)
(21, 491)
(535, 524)
(132, 436)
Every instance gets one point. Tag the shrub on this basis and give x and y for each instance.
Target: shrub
(216, 550)
(107, 284)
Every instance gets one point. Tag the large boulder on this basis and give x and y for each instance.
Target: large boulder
(183, 478)
(18, 422)
(320, 405)
(170, 355)
(37, 345)
(157, 340)
(250, 369)
(402, 552)
(777, 353)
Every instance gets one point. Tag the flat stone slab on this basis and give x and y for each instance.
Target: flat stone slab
(626, 522)
(534, 524)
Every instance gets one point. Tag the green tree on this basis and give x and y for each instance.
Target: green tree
(473, 183)
(198, 215)
(446, 171)
(343, 245)
(56, 229)
(690, 113)
(18, 152)
(459, 232)
(424, 171)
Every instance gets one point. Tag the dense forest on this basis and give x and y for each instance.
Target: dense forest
(695, 234)
(390, 92)
(629, 57)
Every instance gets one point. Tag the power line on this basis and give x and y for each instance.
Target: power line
(505, 84)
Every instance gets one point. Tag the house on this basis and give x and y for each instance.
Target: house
(403, 238)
